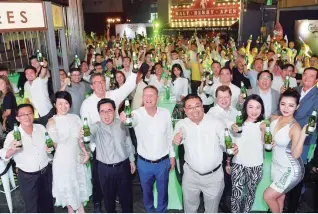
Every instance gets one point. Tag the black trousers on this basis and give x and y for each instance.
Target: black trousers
(194, 86)
(36, 190)
(295, 193)
(113, 181)
(97, 193)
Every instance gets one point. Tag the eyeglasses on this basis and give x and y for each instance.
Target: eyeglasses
(102, 112)
(197, 107)
(99, 82)
(26, 115)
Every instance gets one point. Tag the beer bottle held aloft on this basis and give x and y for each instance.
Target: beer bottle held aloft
(312, 122)
(87, 132)
(286, 82)
(127, 111)
(112, 81)
(228, 143)
(239, 121)
(39, 57)
(268, 139)
(77, 62)
(243, 90)
(210, 82)
(49, 143)
(17, 135)
(69, 84)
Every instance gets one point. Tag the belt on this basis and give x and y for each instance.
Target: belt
(114, 164)
(42, 171)
(214, 170)
(155, 161)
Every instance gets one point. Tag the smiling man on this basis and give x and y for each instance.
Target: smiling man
(115, 156)
(155, 150)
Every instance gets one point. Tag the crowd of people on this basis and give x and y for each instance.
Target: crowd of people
(271, 86)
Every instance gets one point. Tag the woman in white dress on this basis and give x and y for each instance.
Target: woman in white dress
(71, 178)
(179, 84)
(287, 166)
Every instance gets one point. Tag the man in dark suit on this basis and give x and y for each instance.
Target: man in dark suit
(308, 102)
(263, 88)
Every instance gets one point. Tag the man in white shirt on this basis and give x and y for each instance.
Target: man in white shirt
(36, 91)
(252, 74)
(127, 69)
(223, 109)
(155, 150)
(35, 172)
(225, 79)
(156, 79)
(89, 111)
(278, 81)
(203, 139)
(216, 68)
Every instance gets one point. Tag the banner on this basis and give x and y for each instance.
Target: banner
(204, 9)
(19, 16)
(131, 29)
(57, 12)
(306, 32)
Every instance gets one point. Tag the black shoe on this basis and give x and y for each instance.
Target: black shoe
(97, 207)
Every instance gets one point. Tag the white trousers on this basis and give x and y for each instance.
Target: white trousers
(193, 184)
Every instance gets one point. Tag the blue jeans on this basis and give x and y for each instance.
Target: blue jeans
(149, 173)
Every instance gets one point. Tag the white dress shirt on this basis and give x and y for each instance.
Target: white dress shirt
(278, 82)
(38, 94)
(154, 134)
(236, 91)
(159, 84)
(203, 143)
(303, 93)
(267, 100)
(33, 156)
(89, 105)
(228, 117)
(179, 88)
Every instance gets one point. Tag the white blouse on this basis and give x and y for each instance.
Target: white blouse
(179, 88)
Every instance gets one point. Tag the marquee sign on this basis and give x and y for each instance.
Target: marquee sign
(208, 12)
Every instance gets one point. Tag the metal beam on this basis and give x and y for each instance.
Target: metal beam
(52, 52)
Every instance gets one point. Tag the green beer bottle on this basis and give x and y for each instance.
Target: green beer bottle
(17, 135)
(167, 92)
(286, 82)
(268, 139)
(49, 143)
(228, 142)
(77, 62)
(39, 57)
(112, 82)
(243, 90)
(127, 111)
(87, 132)
(69, 84)
(239, 121)
(311, 122)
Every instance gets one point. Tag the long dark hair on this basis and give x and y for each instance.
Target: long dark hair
(144, 68)
(116, 83)
(173, 76)
(258, 99)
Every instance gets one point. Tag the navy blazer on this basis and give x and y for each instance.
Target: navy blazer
(306, 106)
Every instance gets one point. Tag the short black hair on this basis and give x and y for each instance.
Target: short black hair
(157, 63)
(174, 51)
(225, 68)
(96, 55)
(191, 96)
(312, 68)
(97, 64)
(316, 56)
(127, 57)
(32, 57)
(75, 69)
(30, 67)
(3, 68)
(104, 101)
(265, 71)
(286, 66)
(216, 62)
(148, 53)
(109, 60)
(23, 106)
(63, 95)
